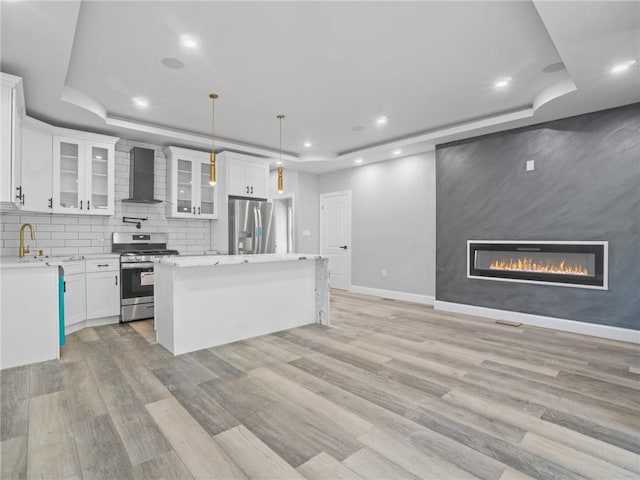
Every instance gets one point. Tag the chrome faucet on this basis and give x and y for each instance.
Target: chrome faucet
(33, 237)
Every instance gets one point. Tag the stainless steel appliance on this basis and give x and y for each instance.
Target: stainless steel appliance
(250, 227)
(137, 252)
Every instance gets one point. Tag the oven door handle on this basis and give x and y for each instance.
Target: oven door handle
(134, 266)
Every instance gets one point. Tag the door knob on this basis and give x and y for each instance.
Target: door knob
(344, 247)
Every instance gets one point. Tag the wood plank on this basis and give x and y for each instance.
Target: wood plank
(590, 445)
(295, 434)
(369, 464)
(46, 377)
(166, 466)
(311, 402)
(324, 466)
(419, 463)
(254, 457)
(14, 402)
(145, 385)
(101, 453)
(182, 373)
(81, 392)
(215, 364)
(624, 440)
(139, 433)
(211, 416)
(198, 451)
(573, 459)
(51, 450)
(13, 458)
(492, 447)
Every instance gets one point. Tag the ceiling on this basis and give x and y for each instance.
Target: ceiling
(332, 68)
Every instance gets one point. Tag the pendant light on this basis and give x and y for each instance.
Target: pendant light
(280, 168)
(212, 161)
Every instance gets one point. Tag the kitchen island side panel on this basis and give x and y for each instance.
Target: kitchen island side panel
(163, 304)
(214, 305)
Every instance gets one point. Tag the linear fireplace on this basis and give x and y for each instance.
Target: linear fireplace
(570, 264)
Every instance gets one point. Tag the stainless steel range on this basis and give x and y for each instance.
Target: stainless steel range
(137, 252)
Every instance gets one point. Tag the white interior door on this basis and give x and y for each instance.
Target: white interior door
(335, 236)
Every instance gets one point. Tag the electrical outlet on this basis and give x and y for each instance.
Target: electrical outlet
(383, 273)
(530, 165)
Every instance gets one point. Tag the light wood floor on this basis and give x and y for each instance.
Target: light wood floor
(393, 390)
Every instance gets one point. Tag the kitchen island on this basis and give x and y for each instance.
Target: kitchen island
(204, 301)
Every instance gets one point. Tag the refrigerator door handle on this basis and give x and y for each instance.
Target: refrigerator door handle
(256, 230)
(261, 232)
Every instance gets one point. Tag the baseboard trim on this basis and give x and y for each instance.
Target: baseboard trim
(573, 326)
(394, 294)
(96, 322)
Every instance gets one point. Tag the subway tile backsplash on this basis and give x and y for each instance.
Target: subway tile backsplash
(77, 235)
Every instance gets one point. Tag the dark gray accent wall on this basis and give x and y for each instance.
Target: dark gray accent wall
(585, 186)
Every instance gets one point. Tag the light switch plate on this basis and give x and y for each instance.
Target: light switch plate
(306, 233)
(531, 165)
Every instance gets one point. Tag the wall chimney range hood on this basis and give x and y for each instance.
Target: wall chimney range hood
(141, 176)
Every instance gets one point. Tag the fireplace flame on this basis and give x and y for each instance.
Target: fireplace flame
(529, 265)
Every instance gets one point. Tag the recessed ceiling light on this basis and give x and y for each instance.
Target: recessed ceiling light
(172, 63)
(553, 67)
(358, 161)
(307, 144)
(397, 152)
(382, 121)
(503, 82)
(188, 41)
(140, 102)
(622, 67)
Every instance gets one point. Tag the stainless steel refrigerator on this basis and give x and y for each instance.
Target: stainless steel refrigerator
(250, 227)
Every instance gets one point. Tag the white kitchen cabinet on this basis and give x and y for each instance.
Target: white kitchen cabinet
(75, 298)
(11, 114)
(188, 190)
(103, 287)
(83, 173)
(248, 179)
(29, 319)
(36, 174)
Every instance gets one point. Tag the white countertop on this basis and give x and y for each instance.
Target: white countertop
(30, 261)
(213, 260)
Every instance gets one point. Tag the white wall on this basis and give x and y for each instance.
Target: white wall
(393, 222)
(304, 187)
(74, 234)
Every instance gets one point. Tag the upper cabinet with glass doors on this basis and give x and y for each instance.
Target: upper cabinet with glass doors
(83, 175)
(190, 195)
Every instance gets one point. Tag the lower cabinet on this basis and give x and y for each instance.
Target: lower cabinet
(103, 294)
(75, 296)
(91, 292)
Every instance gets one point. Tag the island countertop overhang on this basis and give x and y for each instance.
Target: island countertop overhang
(215, 260)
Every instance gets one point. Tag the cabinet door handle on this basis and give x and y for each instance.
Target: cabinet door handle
(116, 279)
(80, 204)
(194, 210)
(88, 204)
(51, 202)
(198, 210)
(20, 195)
(103, 265)
(64, 287)
(251, 190)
